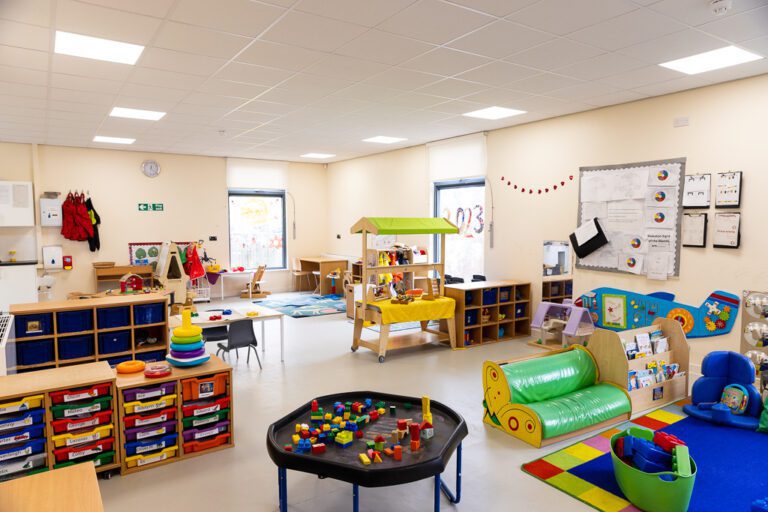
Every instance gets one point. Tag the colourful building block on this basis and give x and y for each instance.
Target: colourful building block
(317, 449)
(374, 415)
(398, 452)
(295, 438)
(389, 452)
(359, 434)
(379, 442)
(392, 410)
(382, 411)
(344, 438)
(288, 448)
(364, 459)
(377, 457)
(415, 445)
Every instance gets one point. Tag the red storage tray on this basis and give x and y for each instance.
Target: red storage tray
(73, 395)
(205, 407)
(199, 446)
(87, 450)
(65, 425)
(204, 387)
(142, 420)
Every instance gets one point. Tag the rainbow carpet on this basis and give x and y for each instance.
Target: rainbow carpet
(731, 468)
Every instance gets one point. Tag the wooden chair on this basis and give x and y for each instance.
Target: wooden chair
(297, 273)
(258, 279)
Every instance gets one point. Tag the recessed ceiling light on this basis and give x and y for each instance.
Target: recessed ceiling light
(135, 113)
(383, 139)
(113, 140)
(89, 47)
(317, 155)
(494, 113)
(708, 61)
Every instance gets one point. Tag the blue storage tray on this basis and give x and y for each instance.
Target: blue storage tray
(18, 436)
(108, 318)
(74, 321)
(33, 417)
(22, 450)
(34, 352)
(113, 342)
(73, 347)
(521, 310)
(151, 357)
(25, 325)
(489, 297)
(142, 447)
(471, 317)
(148, 313)
(114, 361)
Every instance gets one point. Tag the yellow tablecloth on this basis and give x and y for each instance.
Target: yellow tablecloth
(417, 311)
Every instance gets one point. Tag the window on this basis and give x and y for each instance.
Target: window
(463, 203)
(257, 229)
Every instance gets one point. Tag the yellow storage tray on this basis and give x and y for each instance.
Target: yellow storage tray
(24, 404)
(151, 458)
(89, 436)
(153, 405)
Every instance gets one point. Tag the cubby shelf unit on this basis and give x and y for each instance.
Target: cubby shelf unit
(556, 290)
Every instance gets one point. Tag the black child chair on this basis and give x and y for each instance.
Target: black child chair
(240, 336)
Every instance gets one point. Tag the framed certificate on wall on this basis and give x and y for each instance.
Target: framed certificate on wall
(728, 190)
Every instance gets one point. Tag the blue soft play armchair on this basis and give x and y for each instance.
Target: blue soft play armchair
(720, 369)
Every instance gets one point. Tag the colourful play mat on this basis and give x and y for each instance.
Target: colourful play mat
(307, 305)
(728, 478)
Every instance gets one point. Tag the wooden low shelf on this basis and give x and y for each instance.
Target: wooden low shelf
(115, 273)
(512, 300)
(556, 290)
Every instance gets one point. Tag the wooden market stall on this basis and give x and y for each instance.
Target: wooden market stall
(432, 306)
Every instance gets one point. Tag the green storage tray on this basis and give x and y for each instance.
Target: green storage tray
(101, 459)
(70, 410)
(199, 421)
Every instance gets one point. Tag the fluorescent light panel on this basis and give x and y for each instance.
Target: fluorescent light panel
(709, 61)
(113, 140)
(318, 155)
(89, 47)
(136, 113)
(383, 139)
(494, 113)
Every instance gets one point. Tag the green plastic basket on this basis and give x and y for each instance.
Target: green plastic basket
(199, 421)
(80, 408)
(99, 460)
(648, 491)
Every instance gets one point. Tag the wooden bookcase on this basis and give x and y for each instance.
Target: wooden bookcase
(556, 290)
(608, 350)
(135, 327)
(115, 273)
(508, 305)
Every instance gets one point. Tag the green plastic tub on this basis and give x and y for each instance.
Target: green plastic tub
(648, 491)
(100, 460)
(199, 421)
(80, 408)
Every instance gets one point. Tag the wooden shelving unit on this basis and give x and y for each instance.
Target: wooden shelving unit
(556, 290)
(131, 328)
(115, 273)
(607, 348)
(507, 304)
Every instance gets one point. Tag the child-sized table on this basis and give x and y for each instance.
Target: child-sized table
(343, 463)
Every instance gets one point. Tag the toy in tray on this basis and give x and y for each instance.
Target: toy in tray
(187, 346)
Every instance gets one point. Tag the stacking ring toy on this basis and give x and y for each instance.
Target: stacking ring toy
(133, 366)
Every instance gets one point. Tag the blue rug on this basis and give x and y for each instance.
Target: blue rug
(306, 306)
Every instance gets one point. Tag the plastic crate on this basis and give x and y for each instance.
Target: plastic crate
(151, 357)
(133, 394)
(109, 318)
(141, 420)
(148, 313)
(199, 446)
(85, 437)
(471, 317)
(489, 296)
(73, 347)
(72, 424)
(74, 395)
(200, 421)
(204, 387)
(40, 324)
(153, 405)
(102, 459)
(151, 445)
(22, 404)
(70, 410)
(205, 407)
(114, 342)
(144, 433)
(505, 294)
(151, 458)
(86, 450)
(20, 465)
(22, 420)
(19, 436)
(31, 447)
(521, 310)
(74, 321)
(196, 434)
(34, 352)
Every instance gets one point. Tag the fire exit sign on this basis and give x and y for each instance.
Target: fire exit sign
(151, 207)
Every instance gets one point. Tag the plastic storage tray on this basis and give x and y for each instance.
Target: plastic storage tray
(22, 404)
(22, 420)
(84, 437)
(489, 297)
(33, 325)
(151, 458)
(141, 420)
(31, 447)
(133, 394)
(196, 434)
(109, 318)
(205, 407)
(144, 433)
(74, 347)
(152, 405)
(114, 342)
(86, 450)
(114, 361)
(505, 294)
(72, 424)
(150, 445)
(74, 321)
(200, 421)
(144, 314)
(204, 387)
(25, 434)
(102, 459)
(151, 357)
(71, 410)
(199, 446)
(74, 395)
(19, 465)
(34, 352)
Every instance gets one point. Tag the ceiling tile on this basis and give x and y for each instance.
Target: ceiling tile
(153, 92)
(452, 88)
(457, 107)
(121, 100)
(543, 83)
(291, 96)
(628, 29)
(235, 89)
(446, 62)
(190, 39)
(23, 35)
(68, 95)
(759, 45)
(156, 8)
(601, 66)
(251, 117)
(340, 104)
(673, 46)
(70, 65)
(34, 12)
(583, 91)
(365, 92)
(252, 74)
(398, 78)
(199, 98)
(313, 32)
(179, 62)
(497, 73)
(554, 54)
(346, 68)
(22, 57)
(160, 78)
(500, 39)
(79, 83)
(497, 96)
(696, 12)
(362, 12)
(614, 98)
(640, 76)
(96, 21)
(266, 107)
(241, 17)
(70, 106)
(559, 17)
(383, 47)
(757, 67)
(542, 104)
(17, 89)
(23, 102)
(495, 7)
(740, 27)
(420, 21)
(280, 56)
(672, 86)
(23, 75)
(415, 100)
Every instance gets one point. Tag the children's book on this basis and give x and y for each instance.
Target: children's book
(643, 341)
(660, 345)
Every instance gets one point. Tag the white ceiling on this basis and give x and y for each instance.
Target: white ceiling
(274, 79)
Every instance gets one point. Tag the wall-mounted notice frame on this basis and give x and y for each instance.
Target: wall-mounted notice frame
(694, 230)
(727, 232)
(697, 191)
(728, 190)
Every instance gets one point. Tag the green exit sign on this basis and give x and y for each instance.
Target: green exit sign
(151, 207)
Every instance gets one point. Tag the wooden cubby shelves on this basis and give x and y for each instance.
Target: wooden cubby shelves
(556, 290)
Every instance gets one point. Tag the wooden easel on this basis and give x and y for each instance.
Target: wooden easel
(256, 292)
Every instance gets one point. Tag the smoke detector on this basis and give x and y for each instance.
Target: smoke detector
(720, 7)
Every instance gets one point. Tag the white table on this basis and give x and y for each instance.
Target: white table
(249, 273)
(239, 314)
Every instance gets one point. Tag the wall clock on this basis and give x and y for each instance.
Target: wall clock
(150, 168)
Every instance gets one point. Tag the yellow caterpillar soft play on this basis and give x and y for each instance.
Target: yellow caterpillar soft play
(547, 397)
